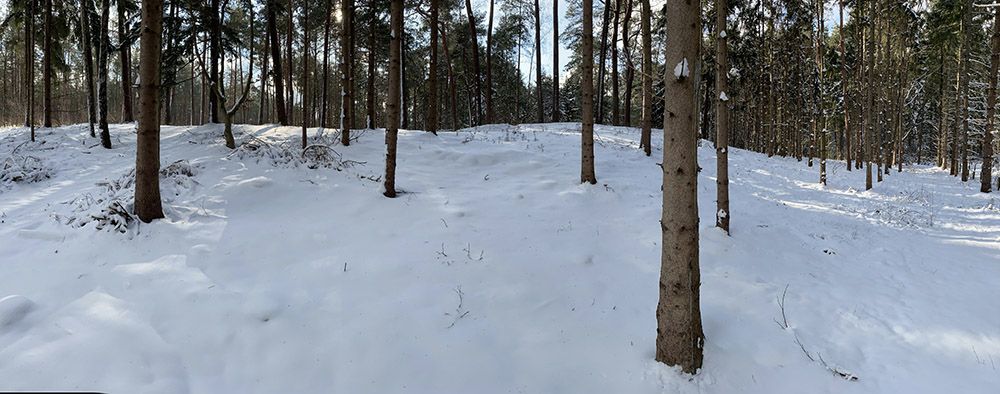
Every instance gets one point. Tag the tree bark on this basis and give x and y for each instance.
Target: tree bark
(606, 21)
(615, 109)
(47, 67)
(475, 62)
(289, 88)
(88, 64)
(538, 66)
(587, 174)
(722, 116)
(102, 75)
(276, 69)
(490, 114)
(392, 106)
(647, 80)
(147, 158)
(679, 339)
(432, 70)
(848, 135)
(305, 72)
(346, 71)
(986, 177)
(370, 122)
(125, 55)
(323, 117)
(214, 52)
(555, 59)
(964, 85)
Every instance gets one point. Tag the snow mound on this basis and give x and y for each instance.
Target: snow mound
(14, 308)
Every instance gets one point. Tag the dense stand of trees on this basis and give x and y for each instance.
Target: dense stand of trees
(883, 83)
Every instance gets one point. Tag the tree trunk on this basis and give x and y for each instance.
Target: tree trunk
(346, 71)
(104, 53)
(848, 136)
(475, 62)
(289, 88)
(125, 55)
(452, 83)
(370, 122)
(214, 52)
(490, 114)
(722, 116)
(615, 110)
(88, 64)
(679, 336)
(555, 61)
(276, 69)
(262, 105)
(432, 70)
(964, 86)
(305, 71)
(647, 80)
(29, 58)
(538, 66)
(147, 157)
(629, 65)
(819, 115)
(587, 96)
(47, 67)
(392, 106)
(986, 177)
(606, 21)
(323, 117)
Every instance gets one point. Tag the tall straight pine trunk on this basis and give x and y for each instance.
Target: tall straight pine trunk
(392, 104)
(587, 96)
(647, 80)
(147, 157)
(679, 336)
(722, 116)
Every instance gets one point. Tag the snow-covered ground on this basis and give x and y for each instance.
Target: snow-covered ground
(494, 272)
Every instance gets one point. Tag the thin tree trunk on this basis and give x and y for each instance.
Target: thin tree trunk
(326, 66)
(964, 85)
(370, 122)
(848, 136)
(392, 106)
(615, 110)
(346, 71)
(432, 70)
(147, 158)
(819, 116)
(555, 60)
(289, 88)
(490, 114)
(680, 339)
(986, 177)
(214, 52)
(126, 63)
(647, 80)
(47, 67)
(102, 76)
(606, 21)
(722, 116)
(305, 72)
(538, 66)
(262, 108)
(88, 64)
(629, 65)
(452, 83)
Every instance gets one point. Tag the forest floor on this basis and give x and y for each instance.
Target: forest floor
(495, 271)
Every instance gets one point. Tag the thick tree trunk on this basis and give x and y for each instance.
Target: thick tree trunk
(276, 69)
(475, 62)
(147, 158)
(647, 80)
(125, 55)
(986, 177)
(679, 336)
(555, 60)
(392, 105)
(722, 116)
(587, 96)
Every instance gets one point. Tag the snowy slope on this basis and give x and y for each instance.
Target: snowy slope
(495, 272)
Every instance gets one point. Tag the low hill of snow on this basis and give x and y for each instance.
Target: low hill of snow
(495, 271)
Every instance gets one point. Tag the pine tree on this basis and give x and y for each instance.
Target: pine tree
(147, 159)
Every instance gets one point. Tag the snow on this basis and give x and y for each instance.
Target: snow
(495, 271)
(723, 96)
(681, 69)
(722, 34)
